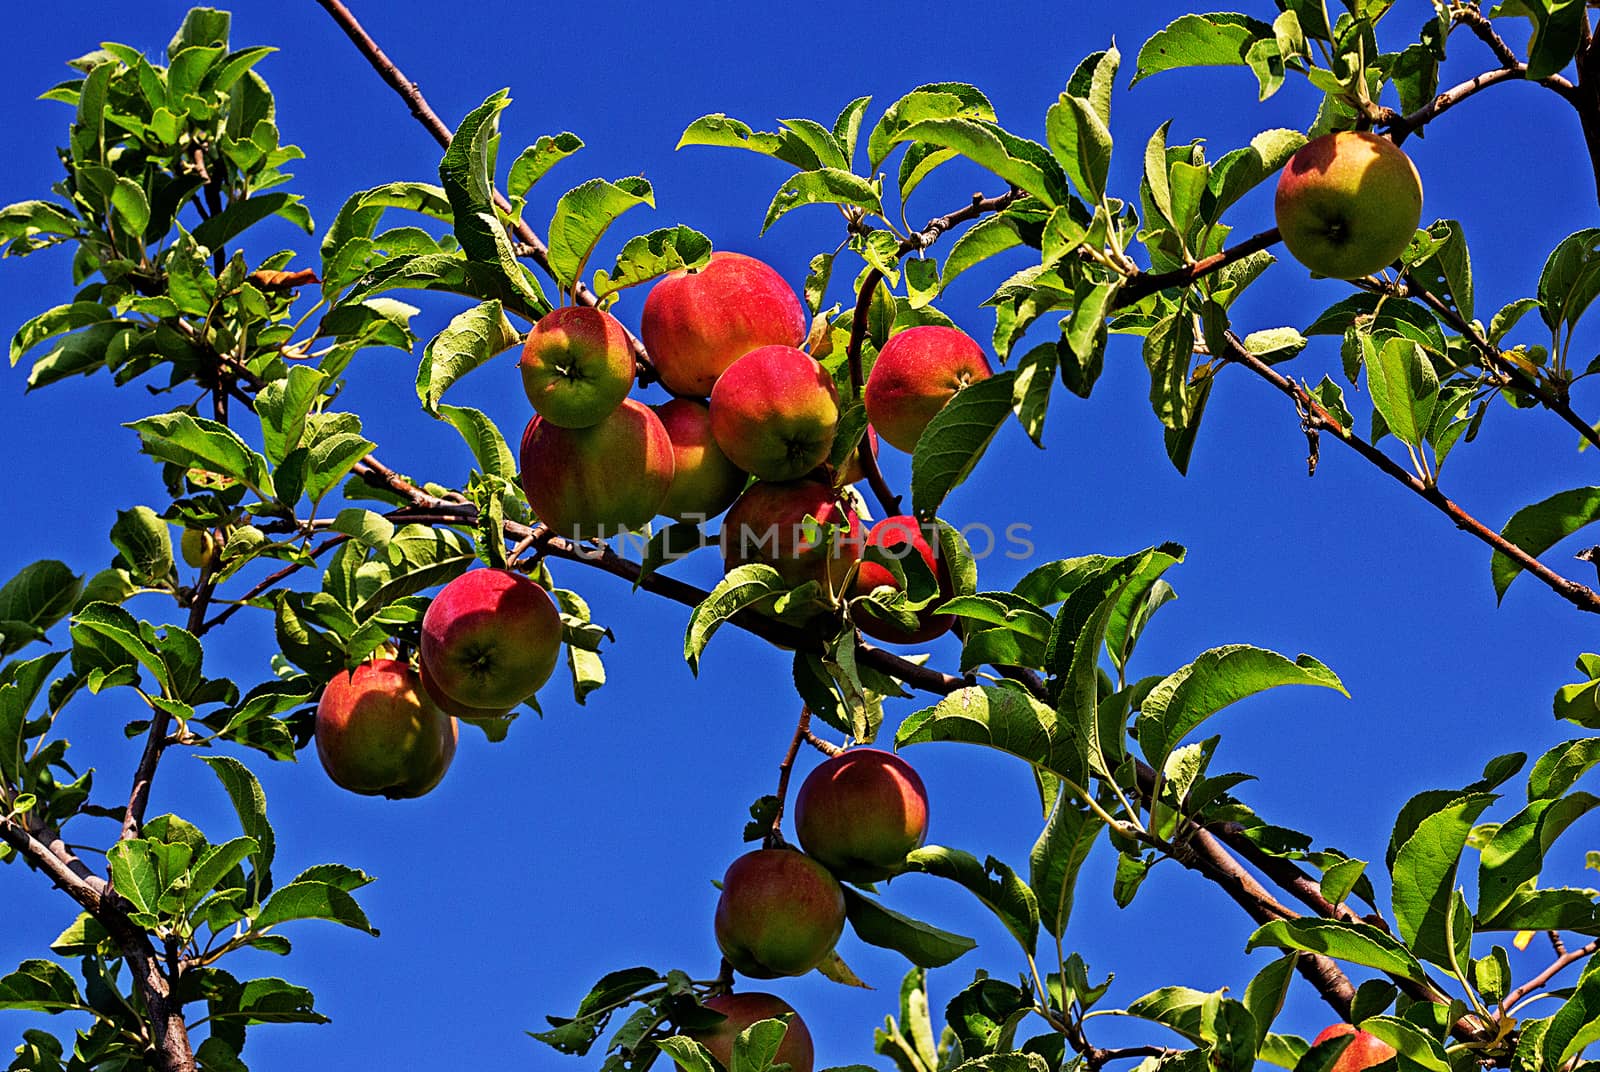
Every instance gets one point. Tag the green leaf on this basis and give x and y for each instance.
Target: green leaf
(1081, 141)
(991, 881)
(936, 100)
(1214, 40)
(39, 986)
(470, 340)
(998, 717)
(1570, 280)
(1446, 272)
(1404, 387)
(483, 438)
(250, 803)
(823, 186)
(197, 443)
(145, 543)
(581, 218)
(313, 900)
(107, 637)
(58, 321)
(1539, 527)
(30, 225)
(744, 586)
(1025, 164)
(1514, 856)
(1559, 769)
(213, 866)
(647, 256)
(533, 162)
(1356, 943)
(954, 441)
(718, 130)
(283, 405)
(467, 175)
(1187, 697)
(1239, 172)
(34, 600)
(219, 230)
(1424, 875)
(1053, 865)
(1409, 1040)
(922, 944)
(1576, 1023)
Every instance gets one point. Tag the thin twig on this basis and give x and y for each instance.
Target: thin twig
(1143, 284)
(802, 726)
(1538, 981)
(1578, 595)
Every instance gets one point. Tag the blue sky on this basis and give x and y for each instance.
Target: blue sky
(588, 840)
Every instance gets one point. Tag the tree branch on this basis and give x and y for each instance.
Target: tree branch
(1314, 416)
(1538, 981)
(1144, 284)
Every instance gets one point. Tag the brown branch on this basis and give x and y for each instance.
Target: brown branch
(1143, 284)
(1315, 416)
(268, 581)
(1555, 968)
(827, 748)
(802, 727)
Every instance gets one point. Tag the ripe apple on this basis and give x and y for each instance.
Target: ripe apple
(378, 733)
(898, 536)
(1348, 203)
(860, 812)
(704, 481)
(576, 366)
(1364, 1051)
(779, 914)
(774, 413)
(744, 1009)
(597, 481)
(697, 323)
(490, 639)
(917, 372)
(768, 524)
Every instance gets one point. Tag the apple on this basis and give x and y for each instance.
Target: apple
(744, 1009)
(490, 639)
(852, 472)
(769, 524)
(197, 546)
(917, 372)
(576, 366)
(860, 812)
(597, 481)
(1364, 1051)
(898, 537)
(697, 323)
(774, 413)
(1348, 203)
(704, 481)
(779, 914)
(378, 733)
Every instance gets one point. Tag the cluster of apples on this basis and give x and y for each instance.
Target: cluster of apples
(490, 640)
(856, 815)
(748, 402)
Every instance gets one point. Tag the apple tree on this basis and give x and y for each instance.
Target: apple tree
(399, 606)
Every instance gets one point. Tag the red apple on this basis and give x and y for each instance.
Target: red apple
(779, 914)
(1348, 203)
(860, 812)
(490, 639)
(744, 1009)
(898, 536)
(378, 733)
(774, 413)
(597, 481)
(769, 524)
(704, 481)
(917, 372)
(576, 366)
(697, 323)
(1364, 1051)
